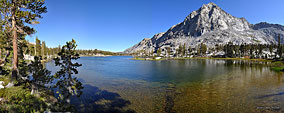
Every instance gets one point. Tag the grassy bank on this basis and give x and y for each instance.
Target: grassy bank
(19, 99)
(277, 66)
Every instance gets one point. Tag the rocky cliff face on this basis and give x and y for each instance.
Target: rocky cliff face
(211, 25)
(265, 25)
(270, 30)
(146, 44)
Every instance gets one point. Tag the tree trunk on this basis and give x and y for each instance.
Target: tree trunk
(68, 100)
(15, 50)
(69, 87)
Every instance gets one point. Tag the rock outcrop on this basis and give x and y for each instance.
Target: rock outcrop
(1, 85)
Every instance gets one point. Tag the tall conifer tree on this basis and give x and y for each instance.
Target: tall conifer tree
(17, 15)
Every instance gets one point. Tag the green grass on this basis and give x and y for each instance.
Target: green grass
(5, 80)
(277, 66)
(19, 99)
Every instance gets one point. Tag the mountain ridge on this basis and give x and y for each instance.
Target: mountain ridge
(211, 25)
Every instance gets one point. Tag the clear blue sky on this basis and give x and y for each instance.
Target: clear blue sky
(115, 25)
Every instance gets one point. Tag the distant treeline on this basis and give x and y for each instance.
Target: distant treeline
(228, 50)
(40, 49)
(96, 52)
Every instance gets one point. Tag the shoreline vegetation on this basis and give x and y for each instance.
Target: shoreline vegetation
(34, 90)
(275, 64)
(254, 52)
(184, 58)
(100, 55)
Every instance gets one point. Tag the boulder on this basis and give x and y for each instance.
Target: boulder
(10, 85)
(1, 85)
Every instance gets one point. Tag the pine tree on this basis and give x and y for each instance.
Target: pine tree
(22, 66)
(38, 47)
(251, 50)
(67, 85)
(279, 50)
(31, 49)
(236, 50)
(40, 75)
(242, 49)
(5, 47)
(18, 15)
(198, 50)
(203, 49)
(96, 51)
(271, 49)
(183, 50)
(5, 50)
(152, 52)
(179, 50)
(43, 50)
(159, 51)
(189, 49)
(229, 49)
(168, 51)
(217, 47)
(260, 49)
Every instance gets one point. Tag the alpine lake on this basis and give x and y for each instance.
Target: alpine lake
(119, 84)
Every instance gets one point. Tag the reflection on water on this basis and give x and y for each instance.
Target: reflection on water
(124, 85)
(100, 100)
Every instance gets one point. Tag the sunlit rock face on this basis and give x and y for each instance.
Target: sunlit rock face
(270, 30)
(211, 25)
(146, 44)
(208, 18)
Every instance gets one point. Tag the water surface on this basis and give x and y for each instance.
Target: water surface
(118, 84)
